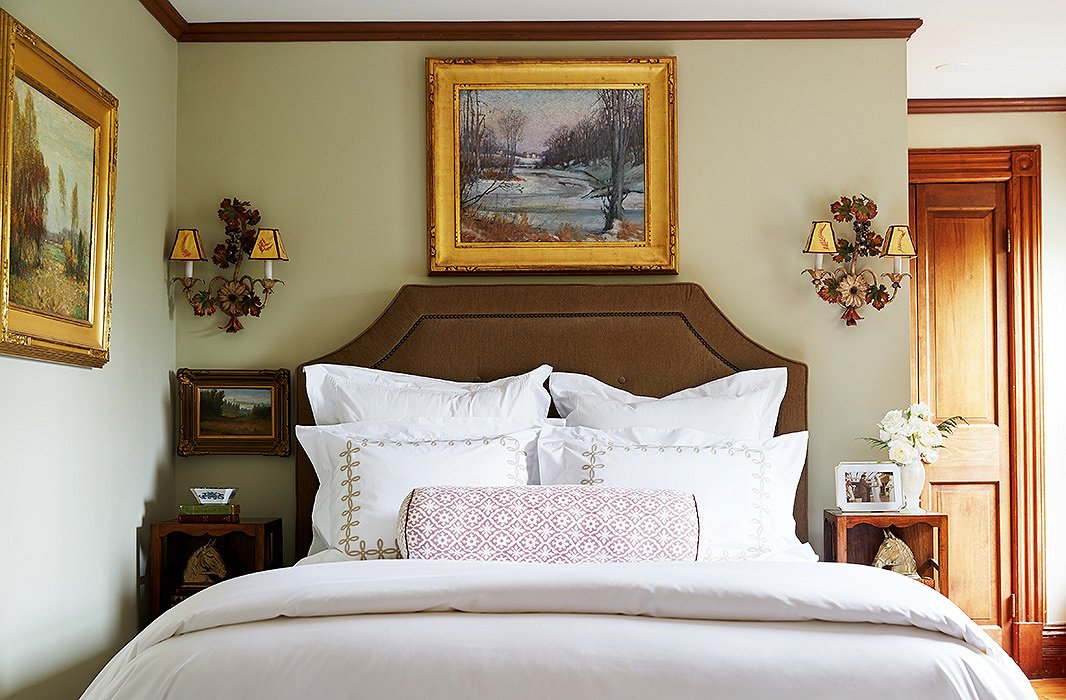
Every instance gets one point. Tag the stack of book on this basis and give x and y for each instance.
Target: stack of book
(201, 513)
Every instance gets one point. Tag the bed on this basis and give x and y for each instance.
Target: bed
(334, 627)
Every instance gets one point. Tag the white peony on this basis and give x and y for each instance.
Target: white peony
(885, 436)
(902, 452)
(913, 427)
(892, 422)
(930, 456)
(929, 436)
(920, 410)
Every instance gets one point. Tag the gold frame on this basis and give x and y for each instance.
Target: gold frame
(30, 333)
(656, 254)
(192, 442)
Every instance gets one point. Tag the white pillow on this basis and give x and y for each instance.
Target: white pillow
(745, 490)
(343, 393)
(742, 406)
(365, 470)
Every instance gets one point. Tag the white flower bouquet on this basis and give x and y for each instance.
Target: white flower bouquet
(910, 434)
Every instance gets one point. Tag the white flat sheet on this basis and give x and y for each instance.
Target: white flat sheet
(399, 629)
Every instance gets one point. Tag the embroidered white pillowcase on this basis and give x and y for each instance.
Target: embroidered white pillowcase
(745, 489)
(344, 394)
(744, 405)
(365, 470)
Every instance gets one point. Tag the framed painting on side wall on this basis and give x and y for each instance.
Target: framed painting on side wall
(234, 412)
(552, 165)
(58, 141)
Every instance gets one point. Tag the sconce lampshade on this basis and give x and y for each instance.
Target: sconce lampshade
(268, 246)
(821, 240)
(899, 243)
(187, 246)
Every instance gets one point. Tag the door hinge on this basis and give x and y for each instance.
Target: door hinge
(1012, 604)
(1008, 240)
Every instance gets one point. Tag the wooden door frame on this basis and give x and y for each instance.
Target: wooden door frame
(1019, 168)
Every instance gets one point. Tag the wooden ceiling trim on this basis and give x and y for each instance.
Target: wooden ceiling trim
(168, 16)
(981, 105)
(613, 30)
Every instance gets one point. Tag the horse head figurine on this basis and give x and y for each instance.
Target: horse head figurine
(205, 566)
(895, 555)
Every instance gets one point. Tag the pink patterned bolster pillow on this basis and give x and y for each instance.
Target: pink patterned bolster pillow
(550, 524)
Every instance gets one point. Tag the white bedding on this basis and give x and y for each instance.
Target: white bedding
(400, 629)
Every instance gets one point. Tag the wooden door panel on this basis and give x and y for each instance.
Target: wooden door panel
(961, 250)
(972, 510)
(960, 316)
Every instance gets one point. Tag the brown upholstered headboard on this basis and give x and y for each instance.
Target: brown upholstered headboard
(650, 339)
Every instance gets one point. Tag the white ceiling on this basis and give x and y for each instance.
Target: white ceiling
(1012, 48)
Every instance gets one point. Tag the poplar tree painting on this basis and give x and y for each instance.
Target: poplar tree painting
(543, 165)
(51, 205)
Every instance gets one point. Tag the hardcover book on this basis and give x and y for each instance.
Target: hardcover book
(209, 509)
(208, 518)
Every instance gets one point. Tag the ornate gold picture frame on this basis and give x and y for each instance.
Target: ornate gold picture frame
(58, 144)
(552, 165)
(233, 412)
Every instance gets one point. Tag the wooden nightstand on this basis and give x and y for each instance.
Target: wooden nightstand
(855, 537)
(254, 544)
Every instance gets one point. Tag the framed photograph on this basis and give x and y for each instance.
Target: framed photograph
(552, 165)
(57, 201)
(869, 486)
(233, 412)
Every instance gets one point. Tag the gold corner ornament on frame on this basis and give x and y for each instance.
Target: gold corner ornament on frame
(552, 165)
(58, 144)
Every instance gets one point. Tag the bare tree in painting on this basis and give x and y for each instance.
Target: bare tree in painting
(472, 130)
(29, 189)
(511, 123)
(477, 144)
(619, 111)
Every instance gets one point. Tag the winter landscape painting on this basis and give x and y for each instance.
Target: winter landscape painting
(551, 165)
(51, 207)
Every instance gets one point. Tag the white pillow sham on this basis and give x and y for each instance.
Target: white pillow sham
(343, 393)
(744, 405)
(366, 469)
(745, 489)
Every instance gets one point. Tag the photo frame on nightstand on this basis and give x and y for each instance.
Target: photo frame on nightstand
(864, 487)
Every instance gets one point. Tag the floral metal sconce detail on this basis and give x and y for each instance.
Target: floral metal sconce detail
(848, 286)
(234, 295)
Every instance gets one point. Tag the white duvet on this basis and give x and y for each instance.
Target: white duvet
(438, 629)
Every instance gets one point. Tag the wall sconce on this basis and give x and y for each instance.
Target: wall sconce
(234, 295)
(847, 285)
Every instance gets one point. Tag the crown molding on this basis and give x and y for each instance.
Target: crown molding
(168, 16)
(980, 105)
(614, 30)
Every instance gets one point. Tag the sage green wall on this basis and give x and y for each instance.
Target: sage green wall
(86, 456)
(328, 140)
(1049, 131)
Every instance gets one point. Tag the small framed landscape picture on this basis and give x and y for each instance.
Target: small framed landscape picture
(233, 412)
(868, 486)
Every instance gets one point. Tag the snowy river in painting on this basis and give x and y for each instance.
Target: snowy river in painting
(552, 199)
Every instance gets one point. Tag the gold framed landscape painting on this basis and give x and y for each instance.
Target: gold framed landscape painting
(233, 412)
(59, 136)
(552, 165)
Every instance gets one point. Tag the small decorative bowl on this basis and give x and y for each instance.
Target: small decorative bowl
(213, 495)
